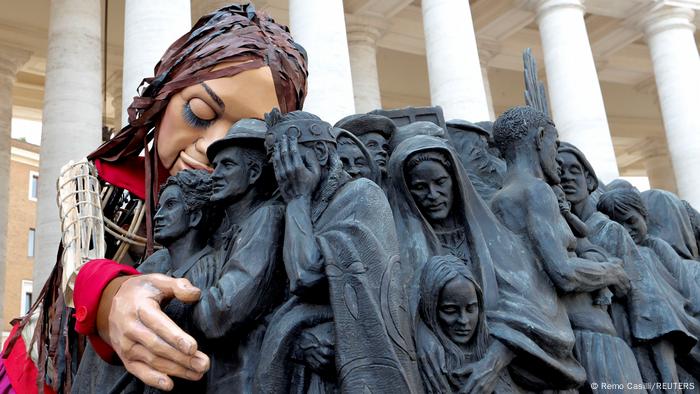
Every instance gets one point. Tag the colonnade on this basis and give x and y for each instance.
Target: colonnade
(344, 79)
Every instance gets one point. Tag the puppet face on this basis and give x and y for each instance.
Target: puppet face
(354, 162)
(378, 147)
(548, 144)
(172, 219)
(636, 225)
(232, 174)
(573, 177)
(200, 114)
(431, 188)
(458, 310)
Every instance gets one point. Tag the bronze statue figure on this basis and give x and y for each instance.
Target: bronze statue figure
(527, 205)
(392, 252)
(530, 329)
(451, 306)
(345, 326)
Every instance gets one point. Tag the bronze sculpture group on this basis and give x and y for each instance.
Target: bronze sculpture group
(385, 253)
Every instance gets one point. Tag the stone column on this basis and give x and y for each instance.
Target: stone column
(149, 29)
(319, 26)
(660, 172)
(203, 7)
(114, 91)
(454, 71)
(72, 115)
(11, 59)
(574, 91)
(674, 54)
(363, 34)
(488, 49)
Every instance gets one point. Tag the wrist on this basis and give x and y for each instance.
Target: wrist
(105, 305)
(302, 199)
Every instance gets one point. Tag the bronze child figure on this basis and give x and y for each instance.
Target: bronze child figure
(451, 306)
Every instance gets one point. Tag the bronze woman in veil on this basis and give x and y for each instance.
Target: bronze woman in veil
(530, 330)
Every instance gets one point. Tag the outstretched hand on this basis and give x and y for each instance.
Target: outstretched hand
(151, 346)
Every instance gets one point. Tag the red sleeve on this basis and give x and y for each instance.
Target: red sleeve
(91, 281)
(129, 174)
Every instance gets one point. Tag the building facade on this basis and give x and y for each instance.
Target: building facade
(17, 268)
(622, 76)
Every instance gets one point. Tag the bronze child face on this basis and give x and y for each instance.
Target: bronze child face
(573, 177)
(378, 147)
(626, 207)
(636, 225)
(354, 162)
(458, 310)
(172, 219)
(431, 188)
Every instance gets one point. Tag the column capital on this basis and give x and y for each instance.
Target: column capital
(11, 59)
(662, 17)
(542, 7)
(365, 29)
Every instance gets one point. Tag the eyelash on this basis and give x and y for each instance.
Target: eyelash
(194, 120)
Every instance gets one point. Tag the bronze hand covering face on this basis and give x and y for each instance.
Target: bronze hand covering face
(233, 64)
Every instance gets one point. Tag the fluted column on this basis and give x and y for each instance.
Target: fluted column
(454, 71)
(149, 29)
(72, 115)
(363, 34)
(574, 91)
(11, 59)
(319, 26)
(660, 172)
(674, 54)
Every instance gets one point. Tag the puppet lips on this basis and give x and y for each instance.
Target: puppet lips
(193, 163)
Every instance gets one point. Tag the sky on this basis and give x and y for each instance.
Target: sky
(30, 130)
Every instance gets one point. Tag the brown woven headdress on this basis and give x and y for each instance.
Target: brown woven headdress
(235, 33)
(232, 34)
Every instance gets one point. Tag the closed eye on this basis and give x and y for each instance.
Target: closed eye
(194, 120)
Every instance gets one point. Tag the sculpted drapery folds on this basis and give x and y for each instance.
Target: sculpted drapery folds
(523, 310)
(652, 315)
(669, 219)
(451, 307)
(314, 282)
(240, 278)
(528, 206)
(676, 278)
(341, 257)
(233, 64)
